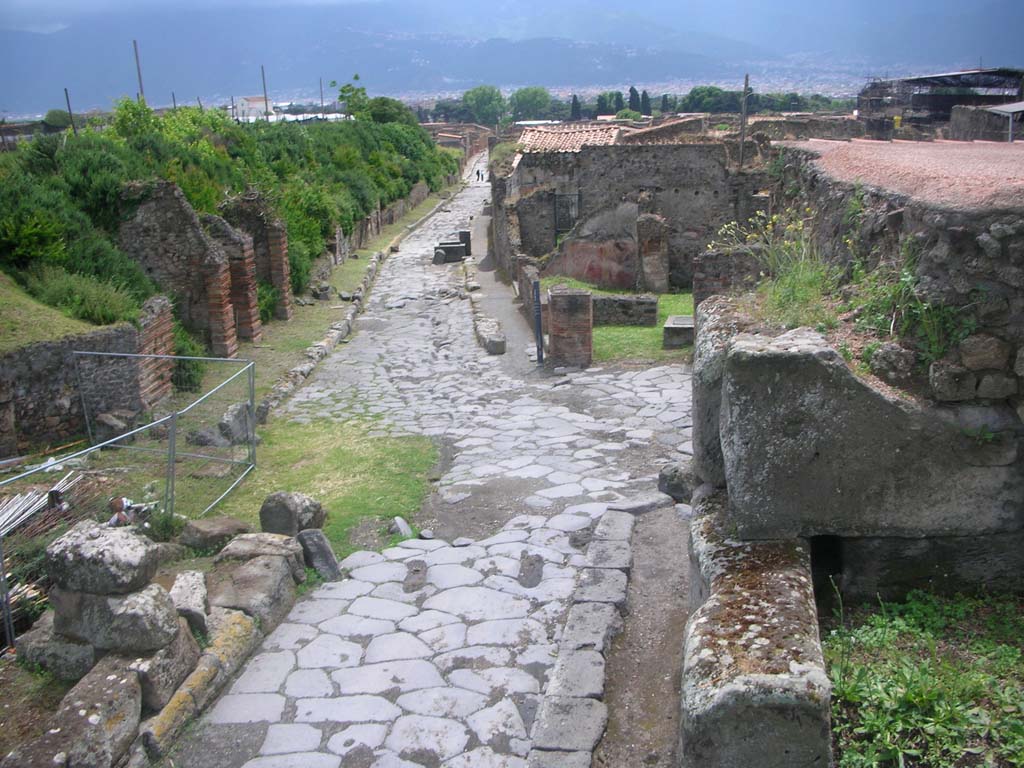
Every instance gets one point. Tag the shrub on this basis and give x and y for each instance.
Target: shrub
(188, 374)
(300, 263)
(82, 296)
(267, 297)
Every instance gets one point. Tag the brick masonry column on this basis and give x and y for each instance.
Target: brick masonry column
(156, 337)
(651, 236)
(280, 272)
(243, 293)
(570, 327)
(223, 341)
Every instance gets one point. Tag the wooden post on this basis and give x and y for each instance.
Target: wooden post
(174, 101)
(234, 112)
(743, 120)
(71, 115)
(323, 114)
(266, 101)
(200, 102)
(138, 71)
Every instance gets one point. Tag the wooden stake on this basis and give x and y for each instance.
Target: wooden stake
(322, 113)
(70, 114)
(138, 71)
(174, 101)
(743, 120)
(234, 112)
(200, 102)
(266, 101)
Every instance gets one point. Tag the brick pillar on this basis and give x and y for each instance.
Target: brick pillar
(570, 327)
(652, 238)
(223, 341)
(280, 272)
(243, 293)
(156, 337)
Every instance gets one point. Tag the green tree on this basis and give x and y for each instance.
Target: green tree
(604, 105)
(575, 113)
(627, 114)
(452, 111)
(384, 110)
(645, 103)
(530, 103)
(354, 97)
(634, 99)
(619, 103)
(57, 118)
(485, 103)
(665, 104)
(134, 120)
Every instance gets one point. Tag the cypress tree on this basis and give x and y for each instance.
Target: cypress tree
(574, 110)
(620, 103)
(645, 103)
(634, 99)
(664, 104)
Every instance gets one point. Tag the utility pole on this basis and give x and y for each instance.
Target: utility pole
(138, 71)
(743, 120)
(200, 102)
(174, 101)
(266, 101)
(234, 113)
(67, 99)
(323, 114)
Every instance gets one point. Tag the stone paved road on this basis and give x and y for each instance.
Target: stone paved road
(461, 653)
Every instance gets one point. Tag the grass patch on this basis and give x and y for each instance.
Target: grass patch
(352, 474)
(547, 283)
(23, 320)
(933, 681)
(634, 342)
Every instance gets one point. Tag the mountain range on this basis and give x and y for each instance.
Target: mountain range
(401, 47)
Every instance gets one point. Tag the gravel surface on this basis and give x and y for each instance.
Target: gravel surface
(956, 174)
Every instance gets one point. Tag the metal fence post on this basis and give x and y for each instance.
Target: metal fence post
(172, 435)
(252, 414)
(538, 330)
(8, 618)
(86, 415)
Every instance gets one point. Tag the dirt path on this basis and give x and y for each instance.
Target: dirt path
(645, 665)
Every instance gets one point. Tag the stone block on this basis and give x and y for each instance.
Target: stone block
(679, 481)
(101, 560)
(238, 424)
(247, 546)
(577, 673)
(316, 550)
(262, 588)
(209, 534)
(189, 596)
(94, 726)
(951, 383)
(677, 332)
(142, 621)
(591, 626)
(625, 309)
(288, 513)
(162, 673)
(981, 351)
(570, 327)
(61, 656)
(893, 364)
(811, 449)
(754, 690)
(996, 385)
(569, 724)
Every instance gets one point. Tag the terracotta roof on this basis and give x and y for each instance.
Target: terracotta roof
(568, 138)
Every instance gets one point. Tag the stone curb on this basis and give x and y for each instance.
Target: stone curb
(488, 331)
(573, 716)
(339, 331)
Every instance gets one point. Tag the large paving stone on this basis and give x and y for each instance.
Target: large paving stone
(138, 622)
(366, 735)
(577, 673)
(399, 645)
(591, 626)
(329, 652)
(346, 709)
(478, 604)
(404, 676)
(442, 702)
(100, 560)
(416, 736)
(569, 724)
(265, 673)
(602, 585)
(262, 588)
(290, 737)
(247, 708)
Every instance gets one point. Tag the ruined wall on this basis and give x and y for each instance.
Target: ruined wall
(723, 272)
(570, 327)
(156, 337)
(687, 185)
(238, 247)
(976, 123)
(972, 260)
(538, 209)
(835, 128)
(625, 310)
(39, 397)
(252, 214)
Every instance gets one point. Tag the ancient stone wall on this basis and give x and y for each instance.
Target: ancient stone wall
(238, 248)
(252, 214)
(625, 310)
(538, 208)
(722, 272)
(156, 337)
(841, 128)
(39, 396)
(969, 260)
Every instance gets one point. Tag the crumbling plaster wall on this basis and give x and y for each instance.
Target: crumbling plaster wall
(689, 185)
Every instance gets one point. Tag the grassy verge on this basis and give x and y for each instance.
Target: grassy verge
(23, 320)
(614, 343)
(352, 474)
(933, 681)
(31, 697)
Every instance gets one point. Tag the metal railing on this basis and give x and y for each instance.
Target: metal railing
(186, 456)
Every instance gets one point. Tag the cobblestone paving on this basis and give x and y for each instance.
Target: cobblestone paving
(480, 653)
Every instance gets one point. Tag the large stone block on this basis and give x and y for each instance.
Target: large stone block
(262, 588)
(101, 560)
(189, 596)
(162, 673)
(319, 555)
(142, 621)
(248, 546)
(811, 449)
(211, 533)
(754, 689)
(288, 513)
(61, 656)
(94, 726)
